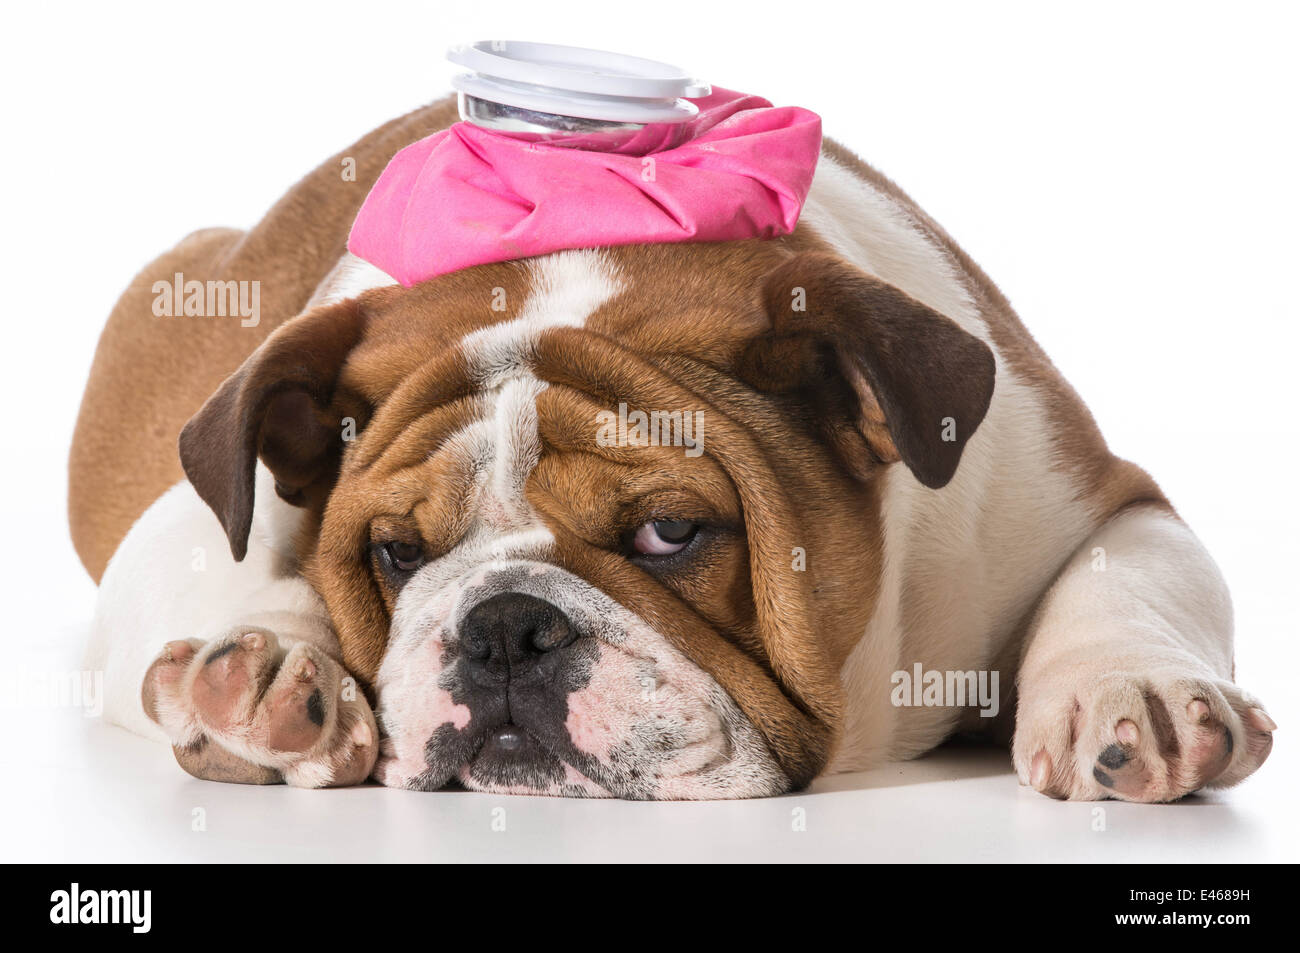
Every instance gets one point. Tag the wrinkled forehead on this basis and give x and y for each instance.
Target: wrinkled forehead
(464, 354)
(458, 370)
(697, 300)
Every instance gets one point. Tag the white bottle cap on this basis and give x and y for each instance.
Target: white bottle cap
(543, 80)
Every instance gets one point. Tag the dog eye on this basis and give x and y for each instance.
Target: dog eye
(664, 537)
(404, 557)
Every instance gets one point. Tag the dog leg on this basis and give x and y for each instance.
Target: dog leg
(235, 664)
(1125, 684)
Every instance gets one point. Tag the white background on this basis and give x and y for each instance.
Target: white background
(1125, 172)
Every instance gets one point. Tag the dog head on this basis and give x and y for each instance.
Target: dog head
(602, 522)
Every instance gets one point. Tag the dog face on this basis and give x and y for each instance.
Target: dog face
(602, 522)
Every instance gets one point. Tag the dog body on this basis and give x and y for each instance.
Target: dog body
(439, 555)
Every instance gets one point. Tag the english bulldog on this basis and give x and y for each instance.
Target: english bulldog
(424, 535)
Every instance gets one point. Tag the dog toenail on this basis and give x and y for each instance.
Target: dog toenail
(1260, 719)
(1197, 710)
(1127, 733)
(254, 641)
(316, 708)
(1113, 757)
(1039, 770)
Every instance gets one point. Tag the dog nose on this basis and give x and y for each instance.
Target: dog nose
(512, 630)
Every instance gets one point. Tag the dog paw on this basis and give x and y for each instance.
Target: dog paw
(250, 709)
(1139, 739)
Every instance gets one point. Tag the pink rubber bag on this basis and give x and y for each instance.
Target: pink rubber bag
(741, 168)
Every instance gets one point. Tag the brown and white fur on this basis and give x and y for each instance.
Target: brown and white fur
(1022, 546)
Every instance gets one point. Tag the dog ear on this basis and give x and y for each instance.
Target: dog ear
(887, 378)
(284, 406)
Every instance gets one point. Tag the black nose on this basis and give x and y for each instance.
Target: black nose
(511, 632)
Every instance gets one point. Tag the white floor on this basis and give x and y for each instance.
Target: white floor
(84, 791)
